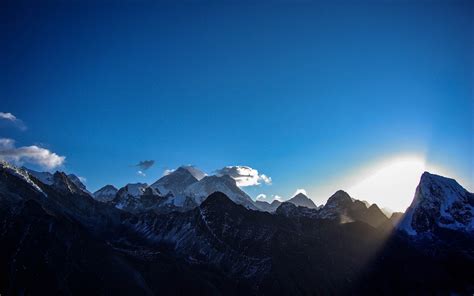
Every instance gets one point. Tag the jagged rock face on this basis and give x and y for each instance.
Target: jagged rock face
(178, 191)
(44, 177)
(150, 199)
(372, 216)
(218, 247)
(291, 210)
(287, 209)
(303, 201)
(341, 207)
(395, 218)
(63, 183)
(106, 193)
(439, 202)
(61, 197)
(131, 198)
(336, 205)
(151, 191)
(275, 204)
(75, 179)
(272, 248)
(15, 184)
(46, 250)
(139, 198)
(268, 207)
(218, 232)
(49, 179)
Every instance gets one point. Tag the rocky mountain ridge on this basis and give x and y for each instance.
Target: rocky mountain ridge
(219, 246)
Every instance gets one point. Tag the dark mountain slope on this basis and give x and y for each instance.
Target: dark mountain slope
(55, 239)
(45, 250)
(341, 207)
(302, 200)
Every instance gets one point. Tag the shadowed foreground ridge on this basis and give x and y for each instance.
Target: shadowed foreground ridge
(57, 239)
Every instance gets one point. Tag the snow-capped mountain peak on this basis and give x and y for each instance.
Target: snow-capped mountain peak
(43, 177)
(128, 197)
(62, 182)
(439, 202)
(197, 173)
(20, 173)
(76, 180)
(302, 200)
(177, 181)
(199, 191)
(106, 193)
(134, 189)
(47, 178)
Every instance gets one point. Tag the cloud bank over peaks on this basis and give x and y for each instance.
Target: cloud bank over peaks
(29, 154)
(244, 175)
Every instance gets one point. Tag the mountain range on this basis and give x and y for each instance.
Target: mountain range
(192, 233)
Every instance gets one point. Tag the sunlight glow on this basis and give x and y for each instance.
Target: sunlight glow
(392, 183)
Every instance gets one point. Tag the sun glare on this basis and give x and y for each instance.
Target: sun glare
(391, 184)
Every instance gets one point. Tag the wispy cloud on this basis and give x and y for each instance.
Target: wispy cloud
(244, 175)
(267, 180)
(268, 198)
(145, 164)
(7, 118)
(29, 154)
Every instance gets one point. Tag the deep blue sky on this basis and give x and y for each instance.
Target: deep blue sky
(303, 91)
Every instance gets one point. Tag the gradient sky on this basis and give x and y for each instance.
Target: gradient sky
(306, 92)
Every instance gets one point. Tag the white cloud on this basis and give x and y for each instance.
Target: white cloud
(298, 191)
(167, 172)
(267, 180)
(7, 117)
(277, 197)
(6, 143)
(141, 173)
(244, 175)
(29, 154)
(268, 198)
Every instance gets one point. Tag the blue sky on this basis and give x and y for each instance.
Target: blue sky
(303, 91)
